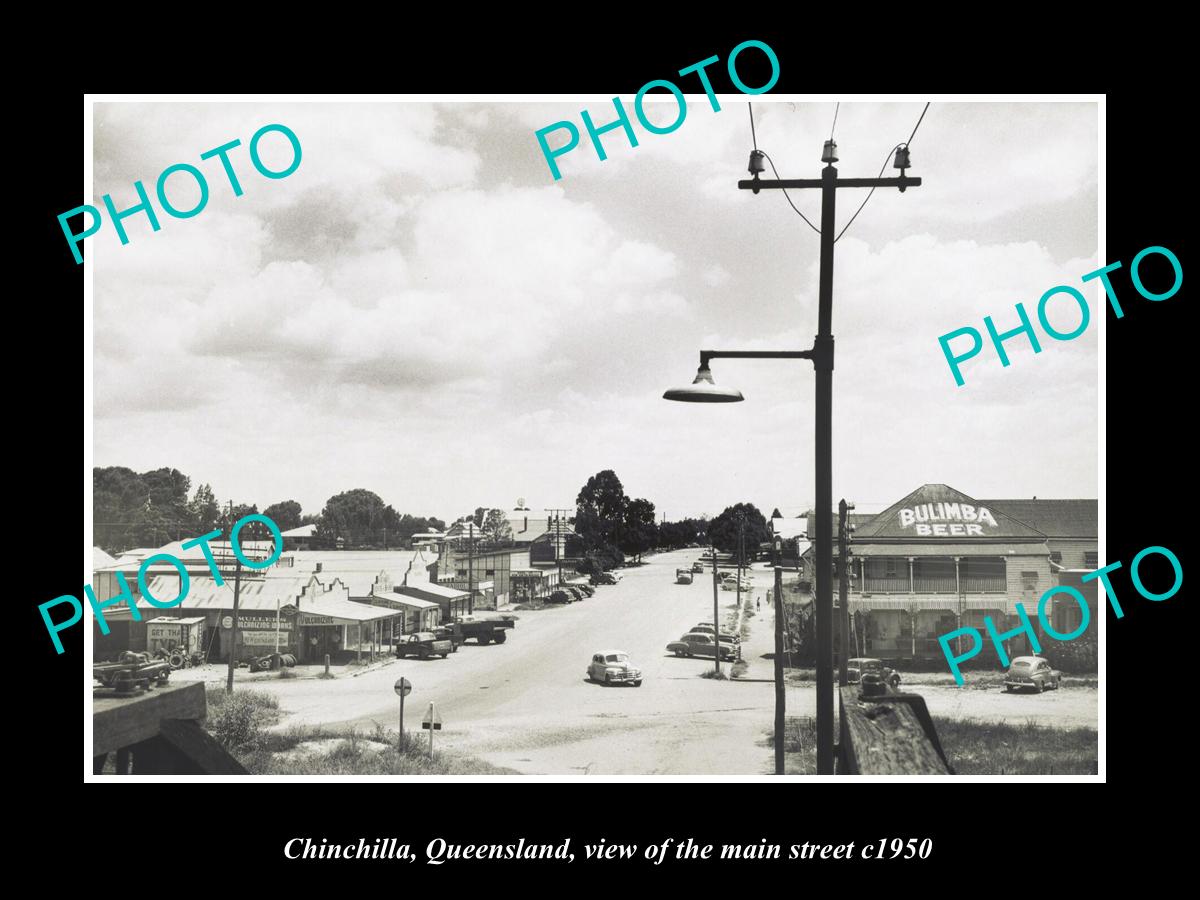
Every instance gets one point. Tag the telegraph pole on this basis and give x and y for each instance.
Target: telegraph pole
(470, 571)
(716, 613)
(780, 721)
(843, 566)
(558, 514)
(822, 357)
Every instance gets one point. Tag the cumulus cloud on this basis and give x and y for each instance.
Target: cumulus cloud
(420, 308)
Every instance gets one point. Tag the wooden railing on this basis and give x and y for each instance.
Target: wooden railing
(887, 733)
(886, 585)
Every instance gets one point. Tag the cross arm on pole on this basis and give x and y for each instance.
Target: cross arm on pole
(758, 184)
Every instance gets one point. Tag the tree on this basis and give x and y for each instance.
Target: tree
(600, 507)
(723, 530)
(205, 510)
(285, 514)
(360, 518)
(638, 532)
(495, 527)
(682, 533)
(147, 509)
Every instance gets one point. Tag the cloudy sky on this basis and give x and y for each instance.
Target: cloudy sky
(421, 310)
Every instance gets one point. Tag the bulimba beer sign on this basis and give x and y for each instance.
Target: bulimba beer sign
(947, 519)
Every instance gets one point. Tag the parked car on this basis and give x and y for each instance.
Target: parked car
(1031, 672)
(587, 589)
(696, 644)
(707, 628)
(698, 567)
(486, 629)
(683, 576)
(452, 632)
(423, 644)
(871, 670)
(605, 578)
(613, 667)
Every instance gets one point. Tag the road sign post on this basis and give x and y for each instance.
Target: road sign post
(432, 722)
(403, 688)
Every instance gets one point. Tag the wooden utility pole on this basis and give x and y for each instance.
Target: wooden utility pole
(558, 516)
(780, 720)
(716, 614)
(822, 357)
(843, 600)
(233, 633)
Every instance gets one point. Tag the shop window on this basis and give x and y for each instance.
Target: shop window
(489, 571)
(1056, 556)
(1091, 559)
(1029, 576)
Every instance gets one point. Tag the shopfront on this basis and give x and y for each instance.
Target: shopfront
(936, 561)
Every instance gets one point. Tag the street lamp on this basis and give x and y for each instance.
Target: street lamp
(703, 390)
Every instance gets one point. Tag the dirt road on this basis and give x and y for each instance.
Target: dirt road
(525, 704)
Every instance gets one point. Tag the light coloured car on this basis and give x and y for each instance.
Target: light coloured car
(1031, 673)
(613, 667)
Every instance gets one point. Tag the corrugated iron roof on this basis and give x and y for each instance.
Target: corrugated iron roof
(1053, 518)
(426, 589)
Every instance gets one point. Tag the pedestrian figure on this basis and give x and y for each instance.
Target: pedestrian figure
(758, 604)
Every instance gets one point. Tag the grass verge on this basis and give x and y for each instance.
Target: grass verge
(976, 748)
(239, 722)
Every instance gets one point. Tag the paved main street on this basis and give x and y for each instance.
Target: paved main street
(525, 704)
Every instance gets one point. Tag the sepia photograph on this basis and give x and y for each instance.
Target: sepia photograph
(742, 435)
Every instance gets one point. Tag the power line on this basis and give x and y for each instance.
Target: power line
(789, 199)
(868, 197)
(918, 125)
(834, 125)
(884, 166)
(754, 139)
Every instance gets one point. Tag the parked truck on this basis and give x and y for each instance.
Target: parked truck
(486, 629)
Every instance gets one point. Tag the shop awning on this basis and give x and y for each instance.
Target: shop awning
(403, 600)
(343, 612)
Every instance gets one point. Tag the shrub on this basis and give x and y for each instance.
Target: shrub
(238, 720)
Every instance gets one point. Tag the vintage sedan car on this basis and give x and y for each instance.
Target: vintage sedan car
(613, 667)
(871, 670)
(604, 578)
(698, 567)
(697, 644)
(1032, 673)
(707, 628)
(423, 644)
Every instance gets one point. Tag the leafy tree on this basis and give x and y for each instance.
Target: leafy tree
(360, 518)
(495, 527)
(600, 508)
(723, 530)
(285, 514)
(638, 531)
(147, 509)
(205, 510)
(682, 533)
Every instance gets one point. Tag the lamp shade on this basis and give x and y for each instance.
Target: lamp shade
(703, 390)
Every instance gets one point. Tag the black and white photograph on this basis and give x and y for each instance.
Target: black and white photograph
(509, 438)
